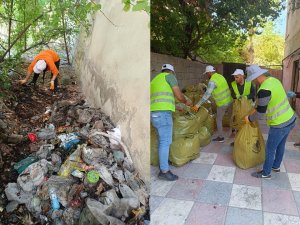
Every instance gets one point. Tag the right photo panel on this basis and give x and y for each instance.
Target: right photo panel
(224, 106)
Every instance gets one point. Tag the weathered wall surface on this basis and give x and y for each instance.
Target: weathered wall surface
(114, 63)
(187, 72)
(292, 48)
(292, 36)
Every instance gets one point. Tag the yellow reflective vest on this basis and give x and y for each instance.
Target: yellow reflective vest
(221, 93)
(247, 88)
(278, 109)
(161, 94)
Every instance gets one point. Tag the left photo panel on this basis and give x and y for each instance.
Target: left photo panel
(75, 112)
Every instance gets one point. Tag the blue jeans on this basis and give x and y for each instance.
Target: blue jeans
(163, 123)
(275, 147)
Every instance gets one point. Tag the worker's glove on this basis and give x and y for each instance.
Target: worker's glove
(195, 108)
(21, 82)
(246, 120)
(52, 85)
(291, 94)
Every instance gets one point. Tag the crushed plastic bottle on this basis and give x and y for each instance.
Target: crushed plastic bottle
(24, 163)
(53, 197)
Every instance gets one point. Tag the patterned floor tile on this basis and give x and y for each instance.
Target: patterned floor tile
(155, 202)
(297, 199)
(221, 173)
(279, 219)
(295, 181)
(185, 189)
(292, 166)
(225, 160)
(244, 177)
(227, 149)
(290, 146)
(160, 187)
(171, 211)
(206, 158)
(238, 216)
(278, 181)
(279, 201)
(243, 196)
(216, 193)
(290, 154)
(197, 171)
(207, 214)
(213, 147)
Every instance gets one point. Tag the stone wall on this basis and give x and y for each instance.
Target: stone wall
(187, 72)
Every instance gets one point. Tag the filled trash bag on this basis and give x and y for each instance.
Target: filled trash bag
(185, 149)
(241, 108)
(204, 136)
(249, 147)
(154, 160)
(210, 123)
(184, 124)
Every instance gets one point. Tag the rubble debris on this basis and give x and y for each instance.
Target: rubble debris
(73, 168)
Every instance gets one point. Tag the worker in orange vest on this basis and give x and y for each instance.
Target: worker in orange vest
(44, 61)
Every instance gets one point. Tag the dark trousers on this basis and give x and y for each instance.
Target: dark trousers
(36, 76)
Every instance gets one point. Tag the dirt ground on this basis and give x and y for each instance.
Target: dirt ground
(24, 109)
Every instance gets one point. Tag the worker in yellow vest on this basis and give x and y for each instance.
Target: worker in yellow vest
(273, 103)
(241, 88)
(219, 89)
(164, 89)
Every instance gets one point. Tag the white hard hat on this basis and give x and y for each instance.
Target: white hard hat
(254, 71)
(209, 69)
(238, 72)
(167, 67)
(39, 66)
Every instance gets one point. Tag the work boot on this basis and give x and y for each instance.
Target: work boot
(168, 176)
(219, 139)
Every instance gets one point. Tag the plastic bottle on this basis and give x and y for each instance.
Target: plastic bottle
(53, 197)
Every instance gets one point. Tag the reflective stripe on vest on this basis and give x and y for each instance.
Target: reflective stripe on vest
(161, 94)
(278, 109)
(246, 91)
(221, 93)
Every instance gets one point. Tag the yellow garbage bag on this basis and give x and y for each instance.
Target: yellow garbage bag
(185, 149)
(249, 146)
(205, 136)
(241, 108)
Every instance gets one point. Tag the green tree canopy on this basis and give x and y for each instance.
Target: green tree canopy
(190, 28)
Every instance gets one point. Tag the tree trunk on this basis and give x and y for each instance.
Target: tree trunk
(10, 24)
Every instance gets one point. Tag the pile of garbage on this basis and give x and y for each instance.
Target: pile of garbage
(79, 171)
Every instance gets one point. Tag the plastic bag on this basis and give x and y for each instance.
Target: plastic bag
(241, 108)
(249, 147)
(185, 149)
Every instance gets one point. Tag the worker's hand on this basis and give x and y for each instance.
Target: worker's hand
(188, 103)
(21, 82)
(246, 120)
(52, 85)
(195, 108)
(291, 94)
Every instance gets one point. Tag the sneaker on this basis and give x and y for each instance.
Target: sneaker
(276, 170)
(168, 176)
(260, 175)
(218, 139)
(297, 144)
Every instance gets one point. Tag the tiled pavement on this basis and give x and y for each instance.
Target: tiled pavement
(211, 190)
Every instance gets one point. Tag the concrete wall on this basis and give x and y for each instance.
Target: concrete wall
(187, 72)
(292, 36)
(292, 49)
(114, 63)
